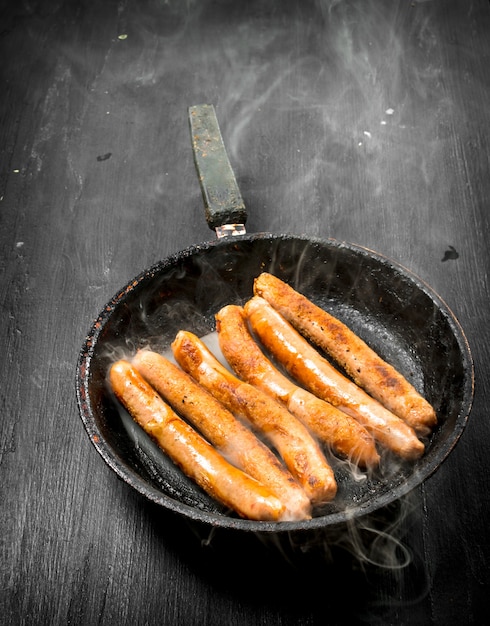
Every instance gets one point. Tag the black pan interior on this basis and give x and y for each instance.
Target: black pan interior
(397, 314)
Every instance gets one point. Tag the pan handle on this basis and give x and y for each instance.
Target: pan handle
(223, 202)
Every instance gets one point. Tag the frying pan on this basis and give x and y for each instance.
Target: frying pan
(391, 309)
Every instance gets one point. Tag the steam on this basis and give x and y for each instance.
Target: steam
(372, 540)
(346, 79)
(188, 294)
(335, 70)
(328, 69)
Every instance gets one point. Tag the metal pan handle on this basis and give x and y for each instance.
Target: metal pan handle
(223, 202)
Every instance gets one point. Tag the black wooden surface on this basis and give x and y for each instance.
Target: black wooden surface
(366, 121)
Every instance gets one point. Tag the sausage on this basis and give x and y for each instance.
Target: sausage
(366, 368)
(299, 450)
(222, 429)
(313, 371)
(342, 433)
(195, 456)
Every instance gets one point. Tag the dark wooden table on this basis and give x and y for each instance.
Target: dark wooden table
(367, 121)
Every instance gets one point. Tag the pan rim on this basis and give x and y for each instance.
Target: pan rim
(131, 477)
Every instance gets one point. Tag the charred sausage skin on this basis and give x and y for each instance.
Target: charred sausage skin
(306, 365)
(299, 450)
(342, 433)
(195, 456)
(366, 368)
(237, 443)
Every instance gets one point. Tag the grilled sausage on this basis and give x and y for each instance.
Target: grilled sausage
(299, 450)
(339, 431)
(195, 456)
(233, 439)
(368, 370)
(306, 365)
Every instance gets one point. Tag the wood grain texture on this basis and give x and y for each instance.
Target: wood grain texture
(363, 121)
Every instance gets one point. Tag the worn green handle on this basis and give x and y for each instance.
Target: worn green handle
(223, 201)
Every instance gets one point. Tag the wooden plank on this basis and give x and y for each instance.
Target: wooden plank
(366, 122)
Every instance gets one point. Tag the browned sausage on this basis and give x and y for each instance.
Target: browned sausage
(195, 456)
(299, 450)
(380, 379)
(233, 439)
(343, 433)
(306, 365)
